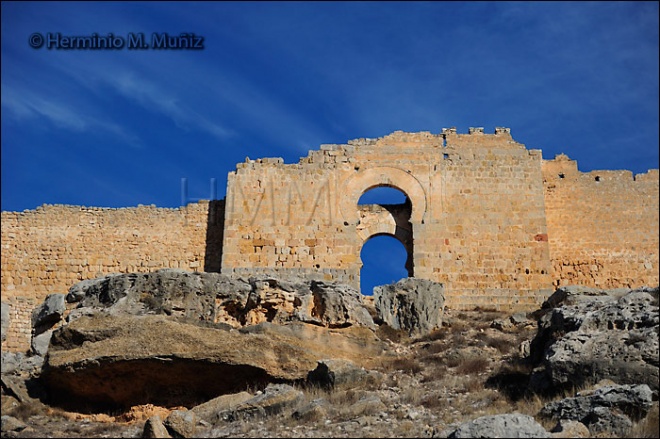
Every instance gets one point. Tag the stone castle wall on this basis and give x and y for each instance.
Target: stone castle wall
(49, 249)
(602, 225)
(499, 226)
(476, 224)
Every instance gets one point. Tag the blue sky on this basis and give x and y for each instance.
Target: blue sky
(121, 127)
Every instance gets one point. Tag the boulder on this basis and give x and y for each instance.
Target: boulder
(413, 305)
(180, 424)
(11, 424)
(154, 428)
(121, 361)
(209, 410)
(570, 429)
(5, 309)
(16, 387)
(49, 313)
(610, 421)
(276, 398)
(614, 337)
(338, 306)
(312, 412)
(608, 408)
(507, 425)
(40, 342)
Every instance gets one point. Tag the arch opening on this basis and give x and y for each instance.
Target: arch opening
(384, 213)
(385, 259)
(383, 195)
(357, 185)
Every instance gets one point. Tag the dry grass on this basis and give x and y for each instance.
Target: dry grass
(458, 326)
(434, 372)
(472, 384)
(434, 401)
(386, 332)
(436, 348)
(405, 364)
(502, 345)
(648, 427)
(344, 397)
(472, 366)
(438, 334)
(26, 410)
(458, 339)
(412, 395)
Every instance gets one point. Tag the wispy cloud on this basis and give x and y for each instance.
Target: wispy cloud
(152, 98)
(25, 104)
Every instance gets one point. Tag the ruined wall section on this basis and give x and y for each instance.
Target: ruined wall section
(48, 249)
(603, 225)
(285, 220)
(477, 215)
(486, 236)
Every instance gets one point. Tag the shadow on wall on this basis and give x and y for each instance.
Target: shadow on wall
(214, 234)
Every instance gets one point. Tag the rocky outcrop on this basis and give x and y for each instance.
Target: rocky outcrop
(275, 399)
(11, 424)
(584, 340)
(413, 305)
(44, 318)
(49, 312)
(610, 408)
(210, 410)
(119, 361)
(133, 338)
(5, 308)
(216, 298)
(508, 425)
(17, 363)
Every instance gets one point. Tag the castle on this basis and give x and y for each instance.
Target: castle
(490, 219)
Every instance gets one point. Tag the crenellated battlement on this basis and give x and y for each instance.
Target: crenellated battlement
(563, 170)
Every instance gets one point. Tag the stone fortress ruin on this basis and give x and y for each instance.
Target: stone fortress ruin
(495, 223)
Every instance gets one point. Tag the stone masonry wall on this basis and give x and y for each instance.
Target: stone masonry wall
(477, 219)
(49, 249)
(491, 220)
(602, 225)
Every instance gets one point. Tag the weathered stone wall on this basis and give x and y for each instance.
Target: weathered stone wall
(476, 222)
(49, 249)
(602, 225)
(491, 220)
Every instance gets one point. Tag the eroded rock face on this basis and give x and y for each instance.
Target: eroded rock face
(119, 360)
(413, 305)
(5, 307)
(610, 408)
(216, 298)
(170, 337)
(614, 336)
